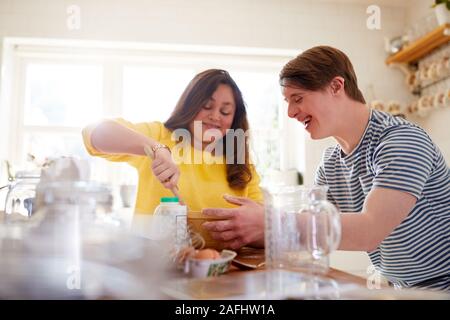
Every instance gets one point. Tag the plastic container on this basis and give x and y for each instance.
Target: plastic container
(170, 222)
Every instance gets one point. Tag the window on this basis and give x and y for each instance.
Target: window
(62, 95)
(151, 92)
(262, 95)
(57, 99)
(59, 91)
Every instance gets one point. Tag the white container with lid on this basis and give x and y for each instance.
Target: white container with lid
(170, 222)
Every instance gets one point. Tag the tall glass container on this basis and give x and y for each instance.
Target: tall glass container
(301, 229)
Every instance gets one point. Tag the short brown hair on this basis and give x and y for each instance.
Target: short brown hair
(198, 92)
(315, 68)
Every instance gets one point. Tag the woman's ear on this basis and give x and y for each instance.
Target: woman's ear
(337, 84)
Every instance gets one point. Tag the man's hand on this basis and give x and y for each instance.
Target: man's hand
(241, 226)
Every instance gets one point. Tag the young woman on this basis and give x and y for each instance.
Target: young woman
(385, 174)
(212, 170)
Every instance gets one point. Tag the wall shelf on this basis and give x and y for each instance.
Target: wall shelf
(422, 46)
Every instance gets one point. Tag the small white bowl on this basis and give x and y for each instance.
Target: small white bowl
(201, 268)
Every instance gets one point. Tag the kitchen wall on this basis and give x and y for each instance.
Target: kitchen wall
(286, 24)
(437, 123)
(417, 9)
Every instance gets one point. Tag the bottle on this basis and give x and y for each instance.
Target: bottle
(170, 220)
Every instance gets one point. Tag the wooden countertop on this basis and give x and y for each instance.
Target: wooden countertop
(262, 284)
(335, 274)
(248, 278)
(253, 259)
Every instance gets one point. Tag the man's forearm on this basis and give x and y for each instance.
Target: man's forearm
(358, 232)
(383, 211)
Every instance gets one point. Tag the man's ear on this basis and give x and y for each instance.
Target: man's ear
(337, 84)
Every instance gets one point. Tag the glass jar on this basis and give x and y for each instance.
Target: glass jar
(170, 223)
(302, 228)
(66, 213)
(20, 198)
(73, 248)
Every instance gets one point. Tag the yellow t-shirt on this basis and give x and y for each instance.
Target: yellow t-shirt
(200, 185)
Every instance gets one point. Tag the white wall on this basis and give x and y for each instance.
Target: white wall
(417, 10)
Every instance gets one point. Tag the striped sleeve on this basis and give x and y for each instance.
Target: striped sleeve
(319, 178)
(403, 160)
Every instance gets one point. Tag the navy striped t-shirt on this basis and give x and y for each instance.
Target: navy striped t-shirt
(396, 154)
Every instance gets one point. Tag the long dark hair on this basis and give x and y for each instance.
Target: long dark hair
(198, 92)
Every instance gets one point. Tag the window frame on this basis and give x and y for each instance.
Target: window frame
(113, 57)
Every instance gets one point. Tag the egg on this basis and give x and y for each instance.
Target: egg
(207, 254)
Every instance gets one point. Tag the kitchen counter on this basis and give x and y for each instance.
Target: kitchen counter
(248, 278)
(246, 281)
(253, 259)
(127, 276)
(284, 284)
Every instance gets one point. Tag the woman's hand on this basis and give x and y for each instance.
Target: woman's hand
(165, 169)
(241, 226)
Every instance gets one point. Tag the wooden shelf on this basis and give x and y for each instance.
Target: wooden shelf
(422, 46)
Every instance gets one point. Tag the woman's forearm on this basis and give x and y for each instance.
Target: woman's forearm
(112, 137)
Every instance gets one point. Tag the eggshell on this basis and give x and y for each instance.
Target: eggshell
(207, 254)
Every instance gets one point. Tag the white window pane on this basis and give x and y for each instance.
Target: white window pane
(62, 95)
(150, 93)
(261, 93)
(50, 145)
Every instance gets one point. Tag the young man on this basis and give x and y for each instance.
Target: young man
(385, 174)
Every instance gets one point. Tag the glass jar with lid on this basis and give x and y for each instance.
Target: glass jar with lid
(20, 198)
